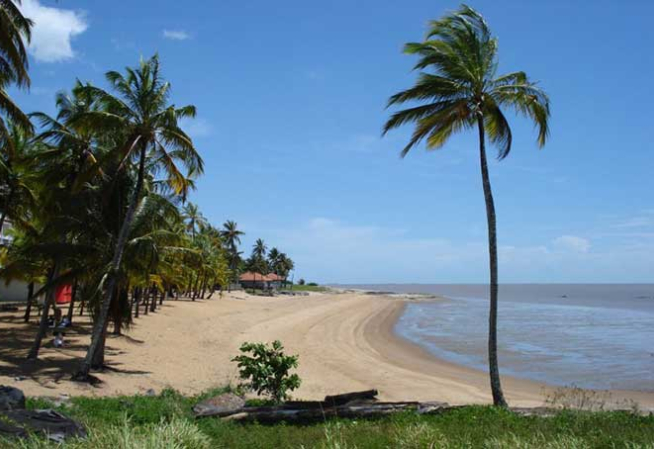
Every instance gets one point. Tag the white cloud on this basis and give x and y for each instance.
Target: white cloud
(572, 243)
(53, 30)
(197, 127)
(176, 35)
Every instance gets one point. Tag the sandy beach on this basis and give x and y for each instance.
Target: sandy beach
(345, 342)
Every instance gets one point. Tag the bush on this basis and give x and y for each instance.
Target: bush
(267, 369)
(301, 282)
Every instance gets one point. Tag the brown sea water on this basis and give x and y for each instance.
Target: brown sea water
(589, 335)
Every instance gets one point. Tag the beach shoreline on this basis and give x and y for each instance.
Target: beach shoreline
(346, 342)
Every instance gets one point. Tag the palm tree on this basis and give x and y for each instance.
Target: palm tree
(16, 174)
(459, 90)
(151, 135)
(259, 249)
(15, 30)
(273, 260)
(194, 219)
(232, 234)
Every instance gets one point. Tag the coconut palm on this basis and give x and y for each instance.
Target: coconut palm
(273, 260)
(149, 134)
(195, 221)
(458, 89)
(16, 174)
(15, 30)
(232, 234)
(259, 249)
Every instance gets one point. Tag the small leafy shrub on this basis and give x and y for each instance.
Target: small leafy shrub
(266, 368)
(312, 284)
(301, 282)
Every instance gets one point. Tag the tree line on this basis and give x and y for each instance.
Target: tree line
(97, 195)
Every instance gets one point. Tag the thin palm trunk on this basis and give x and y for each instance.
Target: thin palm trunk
(137, 300)
(43, 325)
(28, 309)
(99, 327)
(72, 303)
(153, 304)
(496, 387)
(6, 208)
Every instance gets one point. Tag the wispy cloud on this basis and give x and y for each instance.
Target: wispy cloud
(53, 31)
(572, 243)
(337, 251)
(197, 128)
(176, 35)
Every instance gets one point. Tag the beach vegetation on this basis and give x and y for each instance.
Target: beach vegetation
(114, 421)
(266, 369)
(458, 89)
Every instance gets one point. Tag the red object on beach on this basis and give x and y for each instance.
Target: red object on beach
(64, 294)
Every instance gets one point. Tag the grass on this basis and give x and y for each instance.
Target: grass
(165, 421)
(308, 288)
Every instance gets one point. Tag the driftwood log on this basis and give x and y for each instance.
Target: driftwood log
(271, 415)
(361, 404)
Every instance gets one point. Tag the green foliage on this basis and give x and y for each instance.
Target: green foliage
(310, 288)
(301, 282)
(267, 369)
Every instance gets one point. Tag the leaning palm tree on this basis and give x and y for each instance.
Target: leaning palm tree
(148, 126)
(458, 90)
(14, 32)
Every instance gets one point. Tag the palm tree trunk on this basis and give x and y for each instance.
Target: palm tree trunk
(3, 216)
(153, 303)
(137, 300)
(99, 327)
(72, 302)
(43, 325)
(496, 387)
(28, 309)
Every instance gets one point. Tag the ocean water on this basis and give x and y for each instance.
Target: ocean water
(592, 336)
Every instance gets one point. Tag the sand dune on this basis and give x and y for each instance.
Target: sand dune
(345, 342)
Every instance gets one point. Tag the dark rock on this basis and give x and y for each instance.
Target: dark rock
(150, 392)
(223, 404)
(51, 423)
(11, 398)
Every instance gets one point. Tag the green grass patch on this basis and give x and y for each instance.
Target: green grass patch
(166, 421)
(308, 288)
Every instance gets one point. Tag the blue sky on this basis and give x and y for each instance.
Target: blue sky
(291, 98)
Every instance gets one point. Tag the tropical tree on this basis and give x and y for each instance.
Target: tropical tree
(15, 30)
(16, 175)
(147, 131)
(259, 249)
(195, 221)
(232, 238)
(458, 90)
(273, 260)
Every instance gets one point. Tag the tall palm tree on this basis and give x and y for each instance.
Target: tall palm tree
(232, 234)
(149, 129)
(15, 30)
(458, 89)
(195, 221)
(259, 249)
(273, 260)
